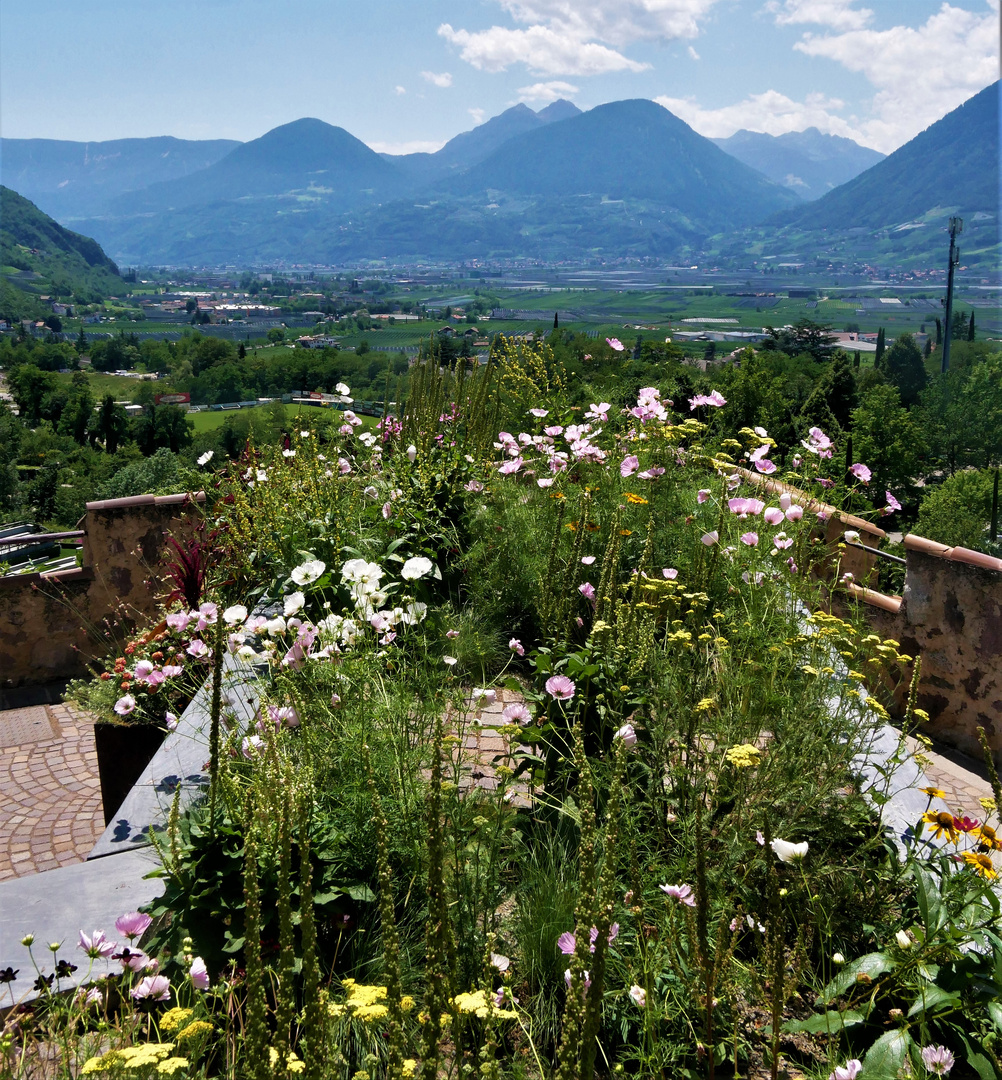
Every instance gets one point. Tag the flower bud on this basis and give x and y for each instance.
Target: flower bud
(838, 958)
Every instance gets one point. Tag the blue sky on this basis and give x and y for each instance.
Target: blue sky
(409, 74)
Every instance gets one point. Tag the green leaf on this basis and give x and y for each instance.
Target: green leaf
(930, 906)
(995, 1012)
(872, 965)
(887, 1055)
(935, 999)
(830, 1021)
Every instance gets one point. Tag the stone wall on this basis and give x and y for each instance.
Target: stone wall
(51, 624)
(950, 614)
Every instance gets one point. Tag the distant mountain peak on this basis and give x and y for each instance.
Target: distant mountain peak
(561, 109)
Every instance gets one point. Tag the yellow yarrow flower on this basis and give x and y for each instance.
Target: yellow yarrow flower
(293, 1063)
(174, 1018)
(705, 705)
(193, 1030)
(745, 756)
(170, 1065)
(476, 1003)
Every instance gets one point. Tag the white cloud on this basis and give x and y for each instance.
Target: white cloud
(441, 81)
(477, 114)
(547, 92)
(693, 53)
(415, 146)
(771, 112)
(543, 50)
(399, 90)
(920, 73)
(838, 14)
(576, 37)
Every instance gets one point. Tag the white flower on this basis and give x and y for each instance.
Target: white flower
(500, 962)
(341, 388)
(235, 614)
(274, 626)
(360, 572)
(371, 491)
(449, 660)
(411, 452)
(308, 572)
(288, 453)
(367, 438)
(416, 567)
(788, 852)
(481, 697)
(205, 458)
(293, 603)
(902, 938)
(262, 476)
(638, 995)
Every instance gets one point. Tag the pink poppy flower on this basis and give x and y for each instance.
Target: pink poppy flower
(153, 988)
(773, 515)
(96, 945)
(587, 590)
(560, 687)
(132, 924)
(892, 503)
(702, 495)
(125, 705)
(765, 466)
(710, 538)
(795, 513)
(629, 466)
(516, 647)
(629, 736)
(512, 466)
(516, 713)
(749, 538)
(681, 894)
(670, 573)
(614, 343)
(199, 974)
(861, 472)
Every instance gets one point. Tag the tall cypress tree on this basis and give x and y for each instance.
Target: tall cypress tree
(970, 328)
(879, 354)
(939, 331)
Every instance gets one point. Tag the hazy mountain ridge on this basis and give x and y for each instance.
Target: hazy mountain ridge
(807, 162)
(73, 179)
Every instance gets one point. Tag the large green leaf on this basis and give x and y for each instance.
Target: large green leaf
(934, 999)
(887, 1055)
(930, 905)
(872, 965)
(831, 1021)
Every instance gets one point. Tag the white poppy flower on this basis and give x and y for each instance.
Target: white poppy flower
(308, 572)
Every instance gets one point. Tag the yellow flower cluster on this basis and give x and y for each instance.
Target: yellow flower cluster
(365, 1003)
(193, 1030)
(745, 756)
(635, 500)
(706, 704)
(174, 1018)
(136, 1057)
(292, 1062)
(476, 1003)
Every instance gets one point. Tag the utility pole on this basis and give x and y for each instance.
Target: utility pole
(956, 228)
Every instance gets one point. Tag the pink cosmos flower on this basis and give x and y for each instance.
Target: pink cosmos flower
(540, 413)
(795, 513)
(178, 621)
(516, 713)
(568, 978)
(714, 398)
(825, 482)
(849, 1071)
(199, 974)
(566, 943)
(670, 573)
(143, 670)
(651, 474)
(133, 959)
(861, 472)
(628, 734)
(702, 495)
(638, 995)
(554, 430)
(629, 466)
(283, 715)
(753, 579)
(765, 466)
(587, 590)
(782, 541)
(744, 507)
(512, 466)
(132, 924)
(125, 705)
(560, 687)
(153, 988)
(749, 538)
(516, 647)
(614, 343)
(198, 649)
(252, 746)
(785, 501)
(171, 720)
(681, 894)
(474, 486)
(97, 945)
(710, 538)
(818, 443)
(773, 515)
(599, 411)
(545, 482)
(792, 565)
(892, 503)
(587, 560)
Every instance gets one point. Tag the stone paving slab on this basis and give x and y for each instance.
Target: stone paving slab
(56, 905)
(50, 793)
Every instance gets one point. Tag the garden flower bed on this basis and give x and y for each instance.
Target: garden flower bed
(694, 886)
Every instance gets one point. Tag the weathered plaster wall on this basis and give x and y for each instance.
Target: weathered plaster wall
(950, 614)
(50, 624)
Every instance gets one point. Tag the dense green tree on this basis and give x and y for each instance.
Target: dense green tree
(162, 426)
(888, 439)
(805, 336)
(77, 414)
(958, 510)
(11, 436)
(905, 369)
(837, 386)
(111, 424)
(29, 386)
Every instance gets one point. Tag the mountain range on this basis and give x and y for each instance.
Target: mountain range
(625, 178)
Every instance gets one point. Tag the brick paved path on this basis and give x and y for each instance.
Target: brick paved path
(50, 795)
(483, 748)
